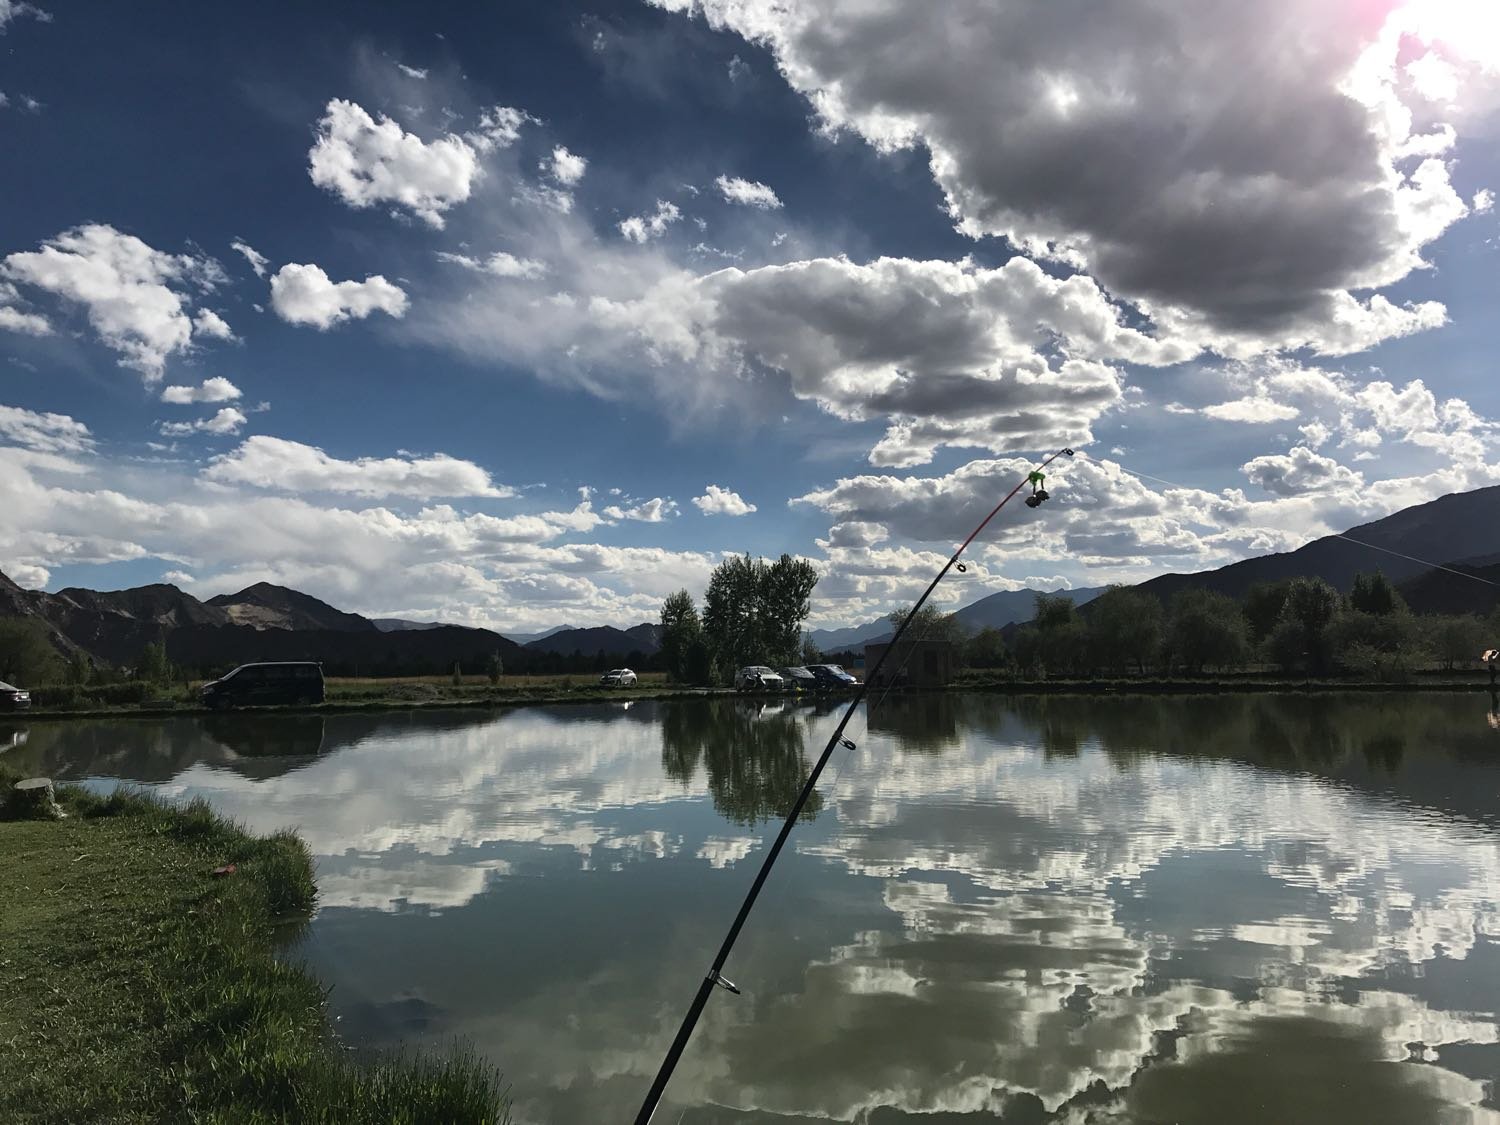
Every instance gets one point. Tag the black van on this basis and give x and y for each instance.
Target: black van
(252, 685)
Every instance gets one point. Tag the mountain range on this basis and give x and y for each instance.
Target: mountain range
(268, 622)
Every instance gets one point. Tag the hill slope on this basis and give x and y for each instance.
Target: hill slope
(603, 638)
(267, 606)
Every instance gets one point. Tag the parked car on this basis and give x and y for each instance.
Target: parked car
(757, 677)
(799, 679)
(831, 676)
(618, 677)
(254, 685)
(13, 698)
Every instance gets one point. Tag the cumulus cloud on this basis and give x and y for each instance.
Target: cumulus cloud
(1484, 202)
(498, 264)
(1242, 165)
(566, 167)
(1300, 471)
(1253, 409)
(216, 389)
(642, 228)
(747, 193)
(133, 294)
(13, 319)
(290, 466)
(366, 162)
(229, 420)
(208, 323)
(304, 294)
(13, 9)
(257, 260)
(46, 433)
(717, 501)
(655, 510)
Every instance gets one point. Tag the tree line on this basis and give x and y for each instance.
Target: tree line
(1301, 626)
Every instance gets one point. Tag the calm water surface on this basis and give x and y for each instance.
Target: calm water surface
(1087, 911)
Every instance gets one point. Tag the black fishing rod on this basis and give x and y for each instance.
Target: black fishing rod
(715, 975)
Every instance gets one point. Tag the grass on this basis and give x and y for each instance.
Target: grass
(138, 987)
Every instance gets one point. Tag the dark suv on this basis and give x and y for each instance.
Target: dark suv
(832, 676)
(253, 685)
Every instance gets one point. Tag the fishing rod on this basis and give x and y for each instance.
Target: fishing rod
(715, 977)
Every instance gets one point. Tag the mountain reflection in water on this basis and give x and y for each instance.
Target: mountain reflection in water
(1043, 909)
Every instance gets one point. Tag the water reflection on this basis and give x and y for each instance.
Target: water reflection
(1084, 911)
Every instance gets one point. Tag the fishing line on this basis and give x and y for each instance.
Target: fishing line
(715, 977)
(1331, 535)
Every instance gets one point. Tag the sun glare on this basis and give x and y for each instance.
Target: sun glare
(1469, 29)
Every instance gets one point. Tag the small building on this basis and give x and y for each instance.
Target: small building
(920, 664)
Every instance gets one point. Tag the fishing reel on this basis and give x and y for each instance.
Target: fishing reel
(1036, 498)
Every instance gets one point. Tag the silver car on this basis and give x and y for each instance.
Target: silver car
(757, 677)
(617, 677)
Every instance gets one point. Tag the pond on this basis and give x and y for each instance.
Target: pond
(1227, 909)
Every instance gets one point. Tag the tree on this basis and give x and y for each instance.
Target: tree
(681, 631)
(1264, 602)
(1206, 628)
(1373, 593)
(985, 649)
(458, 674)
(1061, 643)
(1313, 604)
(494, 667)
(753, 611)
(1383, 645)
(811, 653)
(153, 667)
(1456, 639)
(1125, 627)
(928, 625)
(26, 652)
(1286, 645)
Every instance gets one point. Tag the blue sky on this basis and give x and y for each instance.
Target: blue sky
(851, 264)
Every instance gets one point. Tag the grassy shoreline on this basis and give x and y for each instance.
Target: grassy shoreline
(398, 696)
(140, 987)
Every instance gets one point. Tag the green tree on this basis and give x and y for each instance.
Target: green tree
(1384, 645)
(153, 666)
(494, 668)
(1125, 628)
(811, 653)
(1313, 604)
(80, 670)
(1373, 593)
(458, 674)
(1206, 628)
(985, 649)
(1286, 646)
(1264, 602)
(1061, 636)
(928, 625)
(26, 653)
(753, 611)
(1456, 639)
(681, 631)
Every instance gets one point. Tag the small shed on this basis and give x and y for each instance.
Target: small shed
(922, 664)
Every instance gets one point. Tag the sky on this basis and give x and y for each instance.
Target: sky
(528, 313)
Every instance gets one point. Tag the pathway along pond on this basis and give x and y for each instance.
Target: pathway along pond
(1086, 910)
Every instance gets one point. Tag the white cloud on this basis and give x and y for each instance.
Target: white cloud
(365, 162)
(303, 294)
(290, 466)
(499, 264)
(747, 193)
(655, 510)
(46, 433)
(131, 292)
(13, 9)
(717, 501)
(229, 420)
(216, 389)
(1254, 409)
(641, 228)
(1484, 202)
(208, 323)
(499, 127)
(566, 167)
(1300, 471)
(411, 71)
(1270, 144)
(1315, 434)
(13, 319)
(256, 259)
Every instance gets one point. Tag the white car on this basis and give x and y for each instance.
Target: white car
(617, 677)
(757, 677)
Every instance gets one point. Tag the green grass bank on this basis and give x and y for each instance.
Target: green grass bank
(139, 987)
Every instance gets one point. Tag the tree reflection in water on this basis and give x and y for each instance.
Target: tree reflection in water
(754, 754)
